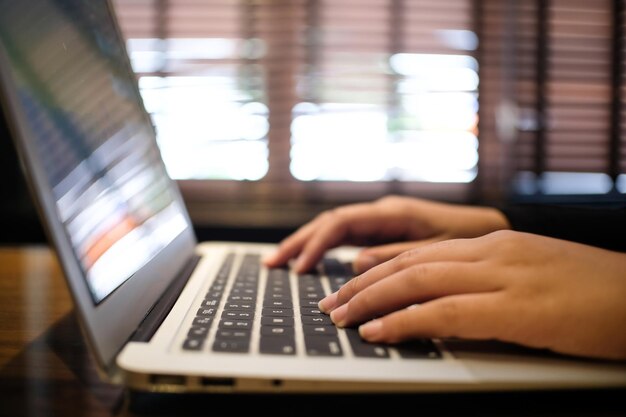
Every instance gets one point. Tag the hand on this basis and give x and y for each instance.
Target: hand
(514, 287)
(407, 221)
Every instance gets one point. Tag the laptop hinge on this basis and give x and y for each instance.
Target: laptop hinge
(162, 307)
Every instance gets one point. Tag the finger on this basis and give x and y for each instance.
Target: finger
(328, 234)
(290, 246)
(348, 224)
(356, 224)
(470, 316)
(458, 250)
(416, 284)
(330, 222)
(370, 257)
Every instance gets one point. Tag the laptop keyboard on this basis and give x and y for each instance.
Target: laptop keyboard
(231, 317)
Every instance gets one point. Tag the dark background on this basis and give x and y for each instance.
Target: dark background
(18, 218)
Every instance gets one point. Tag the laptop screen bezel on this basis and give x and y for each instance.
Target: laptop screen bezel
(108, 325)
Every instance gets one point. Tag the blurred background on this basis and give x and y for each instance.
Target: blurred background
(269, 111)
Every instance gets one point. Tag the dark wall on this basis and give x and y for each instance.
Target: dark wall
(18, 218)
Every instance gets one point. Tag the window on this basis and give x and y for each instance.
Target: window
(277, 106)
(200, 77)
(552, 114)
(389, 92)
(309, 99)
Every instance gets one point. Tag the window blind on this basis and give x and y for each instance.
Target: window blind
(314, 91)
(199, 74)
(551, 96)
(393, 83)
(310, 90)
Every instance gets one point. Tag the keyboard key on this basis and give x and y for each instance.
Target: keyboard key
(206, 312)
(231, 345)
(277, 321)
(213, 295)
(364, 349)
(232, 334)
(337, 283)
(322, 345)
(193, 344)
(235, 324)
(278, 304)
(232, 340)
(310, 288)
(203, 321)
(308, 311)
(241, 299)
(198, 332)
(277, 345)
(312, 296)
(309, 303)
(237, 315)
(277, 312)
(317, 320)
(418, 349)
(243, 291)
(240, 306)
(319, 330)
(277, 297)
(210, 302)
(277, 331)
(338, 273)
(239, 285)
(333, 268)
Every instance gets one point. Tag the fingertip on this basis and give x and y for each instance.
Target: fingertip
(328, 303)
(371, 330)
(339, 315)
(271, 259)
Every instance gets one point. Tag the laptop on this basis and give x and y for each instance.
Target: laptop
(161, 311)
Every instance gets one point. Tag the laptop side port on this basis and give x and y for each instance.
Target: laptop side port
(168, 380)
(217, 382)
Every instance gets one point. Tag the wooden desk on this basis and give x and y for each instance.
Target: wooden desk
(44, 367)
(45, 370)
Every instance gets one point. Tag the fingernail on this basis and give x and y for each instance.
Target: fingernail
(338, 315)
(269, 258)
(371, 329)
(328, 303)
(365, 262)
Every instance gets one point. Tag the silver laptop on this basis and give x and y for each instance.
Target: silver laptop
(161, 311)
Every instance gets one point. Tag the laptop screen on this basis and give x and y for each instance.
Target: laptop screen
(92, 135)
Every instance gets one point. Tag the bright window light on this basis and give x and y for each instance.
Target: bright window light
(335, 146)
(432, 138)
(208, 126)
(464, 40)
(203, 130)
(621, 183)
(563, 183)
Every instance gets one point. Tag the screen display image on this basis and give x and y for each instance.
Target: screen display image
(92, 136)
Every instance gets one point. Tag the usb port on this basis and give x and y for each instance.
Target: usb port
(217, 382)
